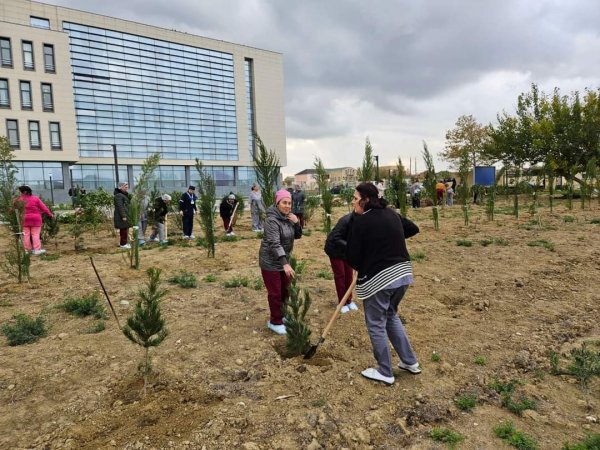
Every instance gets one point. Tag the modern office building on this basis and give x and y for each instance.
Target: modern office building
(76, 85)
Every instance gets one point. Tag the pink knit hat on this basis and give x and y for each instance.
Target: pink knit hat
(281, 194)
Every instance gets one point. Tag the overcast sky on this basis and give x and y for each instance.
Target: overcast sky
(398, 71)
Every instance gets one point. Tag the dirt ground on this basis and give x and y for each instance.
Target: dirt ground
(222, 380)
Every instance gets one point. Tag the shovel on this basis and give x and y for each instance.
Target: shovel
(313, 348)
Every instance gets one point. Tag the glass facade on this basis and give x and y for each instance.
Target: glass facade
(151, 96)
(167, 178)
(249, 77)
(37, 174)
(94, 176)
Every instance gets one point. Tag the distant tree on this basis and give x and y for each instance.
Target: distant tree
(208, 198)
(429, 184)
(467, 138)
(266, 168)
(366, 172)
(326, 196)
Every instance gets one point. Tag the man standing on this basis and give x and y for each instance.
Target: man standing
(298, 200)
(121, 215)
(187, 209)
(415, 194)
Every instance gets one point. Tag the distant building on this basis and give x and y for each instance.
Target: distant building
(342, 176)
(73, 84)
(306, 179)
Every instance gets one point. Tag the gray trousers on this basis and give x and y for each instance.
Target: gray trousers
(159, 228)
(383, 323)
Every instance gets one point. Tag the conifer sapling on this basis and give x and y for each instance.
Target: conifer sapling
(146, 327)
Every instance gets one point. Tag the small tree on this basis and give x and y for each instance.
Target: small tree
(463, 188)
(208, 197)
(11, 212)
(326, 196)
(400, 187)
(50, 226)
(137, 204)
(367, 171)
(146, 327)
(429, 184)
(266, 169)
(295, 310)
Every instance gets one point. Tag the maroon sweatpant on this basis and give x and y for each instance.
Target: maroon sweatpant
(227, 224)
(342, 275)
(123, 235)
(277, 284)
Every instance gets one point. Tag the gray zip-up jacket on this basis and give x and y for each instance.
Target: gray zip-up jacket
(278, 240)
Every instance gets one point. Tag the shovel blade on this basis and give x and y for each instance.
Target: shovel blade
(311, 351)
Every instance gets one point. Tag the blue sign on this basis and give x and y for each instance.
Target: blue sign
(485, 175)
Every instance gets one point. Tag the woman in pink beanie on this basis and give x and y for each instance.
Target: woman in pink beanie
(33, 208)
(281, 227)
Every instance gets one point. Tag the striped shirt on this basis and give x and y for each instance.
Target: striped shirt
(401, 271)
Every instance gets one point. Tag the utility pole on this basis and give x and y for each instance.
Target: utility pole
(376, 157)
(114, 148)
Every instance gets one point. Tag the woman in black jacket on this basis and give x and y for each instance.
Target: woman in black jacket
(335, 247)
(377, 250)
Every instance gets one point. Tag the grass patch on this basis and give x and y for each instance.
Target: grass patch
(510, 435)
(236, 281)
(501, 242)
(98, 327)
(184, 279)
(464, 243)
(210, 278)
(435, 357)
(568, 219)
(466, 402)
(319, 403)
(418, 256)
(5, 303)
(260, 234)
(447, 436)
(325, 274)
(24, 329)
(306, 232)
(88, 305)
(517, 407)
(49, 257)
(591, 442)
(258, 284)
(503, 388)
(595, 221)
(229, 238)
(486, 242)
(480, 360)
(542, 243)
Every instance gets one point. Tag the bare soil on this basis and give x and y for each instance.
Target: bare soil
(495, 310)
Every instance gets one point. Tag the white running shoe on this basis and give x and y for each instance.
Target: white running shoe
(353, 306)
(279, 329)
(412, 368)
(345, 309)
(373, 374)
(125, 246)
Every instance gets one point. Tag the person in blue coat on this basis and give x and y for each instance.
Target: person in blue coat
(187, 209)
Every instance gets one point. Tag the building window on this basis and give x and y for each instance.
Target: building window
(49, 65)
(4, 93)
(34, 135)
(26, 100)
(12, 129)
(47, 100)
(55, 140)
(39, 22)
(28, 61)
(5, 52)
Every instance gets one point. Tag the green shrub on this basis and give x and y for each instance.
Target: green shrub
(480, 360)
(464, 243)
(258, 284)
(418, 256)
(435, 357)
(210, 278)
(519, 406)
(542, 243)
(501, 242)
(466, 402)
(24, 329)
(229, 238)
(305, 232)
(98, 327)
(447, 436)
(486, 242)
(184, 279)
(48, 257)
(591, 442)
(568, 219)
(325, 274)
(319, 403)
(87, 305)
(595, 221)
(236, 281)
(509, 434)
(503, 388)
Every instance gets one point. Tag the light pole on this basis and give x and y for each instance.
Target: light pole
(51, 188)
(114, 148)
(376, 157)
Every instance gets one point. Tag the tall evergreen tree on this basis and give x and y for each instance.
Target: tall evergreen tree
(208, 198)
(326, 196)
(366, 172)
(266, 169)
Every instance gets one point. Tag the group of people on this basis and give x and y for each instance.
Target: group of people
(441, 188)
(370, 241)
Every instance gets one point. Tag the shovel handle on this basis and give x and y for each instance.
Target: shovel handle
(340, 305)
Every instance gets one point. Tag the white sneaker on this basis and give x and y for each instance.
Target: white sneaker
(412, 368)
(125, 246)
(345, 309)
(164, 242)
(279, 329)
(185, 237)
(41, 251)
(191, 236)
(231, 233)
(153, 239)
(373, 374)
(353, 306)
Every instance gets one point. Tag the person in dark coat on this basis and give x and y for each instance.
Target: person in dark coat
(187, 209)
(281, 229)
(335, 248)
(377, 250)
(298, 200)
(121, 215)
(159, 214)
(226, 210)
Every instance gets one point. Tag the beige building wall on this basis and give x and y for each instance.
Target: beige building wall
(62, 92)
(268, 72)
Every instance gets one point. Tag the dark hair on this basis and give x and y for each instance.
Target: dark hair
(25, 190)
(369, 193)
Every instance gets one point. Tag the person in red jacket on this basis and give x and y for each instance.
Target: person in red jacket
(33, 208)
